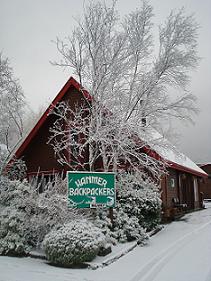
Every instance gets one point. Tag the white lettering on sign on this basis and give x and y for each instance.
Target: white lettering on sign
(91, 179)
(91, 191)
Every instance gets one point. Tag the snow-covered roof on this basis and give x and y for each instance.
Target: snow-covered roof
(172, 155)
(165, 149)
(182, 161)
(204, 164)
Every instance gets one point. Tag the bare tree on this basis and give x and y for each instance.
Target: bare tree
(115, 61)
(12, 102)
(87, 141)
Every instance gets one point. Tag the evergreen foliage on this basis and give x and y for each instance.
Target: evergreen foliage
(27, 216)
(73, 243)
(140, 198)
(137, 211)
(124, 228)
(17, 169)
(17, 206)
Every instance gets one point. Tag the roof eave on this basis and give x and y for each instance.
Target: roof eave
(186, 169)
(71, 82)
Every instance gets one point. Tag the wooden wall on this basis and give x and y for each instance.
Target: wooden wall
(182, 187)
(39, 156)
(205, 184)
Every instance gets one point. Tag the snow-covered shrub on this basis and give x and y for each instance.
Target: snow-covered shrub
(17, 205)
(141, 199)
(13, 233)
(101, 220)
(124, 228)
(17, 194)
(127, 228)
(52, 209)
(27, 216)
(138, 209)
(17, 170)
(73, 243)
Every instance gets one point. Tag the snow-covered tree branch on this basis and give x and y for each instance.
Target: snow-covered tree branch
(12, 102)
(116, 61)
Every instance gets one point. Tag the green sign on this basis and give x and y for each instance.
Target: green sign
(91, 189)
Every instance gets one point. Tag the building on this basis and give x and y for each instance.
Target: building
(205, 184)
(179, 188)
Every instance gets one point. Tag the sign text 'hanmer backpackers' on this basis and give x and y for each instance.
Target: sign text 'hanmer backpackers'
(91, 189)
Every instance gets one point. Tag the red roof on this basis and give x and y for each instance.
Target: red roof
(186, 169)
(58, 98)
(72, 82)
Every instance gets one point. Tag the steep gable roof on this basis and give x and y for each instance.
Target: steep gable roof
(70, 83)
(186, 166)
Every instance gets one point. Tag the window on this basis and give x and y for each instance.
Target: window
(195, 186)
(172, 182)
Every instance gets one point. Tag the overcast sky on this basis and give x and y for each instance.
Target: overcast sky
(27, 28)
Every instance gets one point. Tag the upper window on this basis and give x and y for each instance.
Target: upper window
(172, 182)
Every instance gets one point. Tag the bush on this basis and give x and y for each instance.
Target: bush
(140, 199)
(12, 233)
(73, 243)
(27, 216)
(16, 169)
(16, 208)
(138, 210)
(124, 229)
(52, 209)
(128, 228)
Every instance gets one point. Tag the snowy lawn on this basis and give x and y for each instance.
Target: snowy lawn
(179, 252)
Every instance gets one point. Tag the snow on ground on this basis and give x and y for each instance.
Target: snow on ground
(181, 251)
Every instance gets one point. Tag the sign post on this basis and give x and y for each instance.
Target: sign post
(91, 189)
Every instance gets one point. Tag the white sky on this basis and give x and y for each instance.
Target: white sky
(27, 28)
